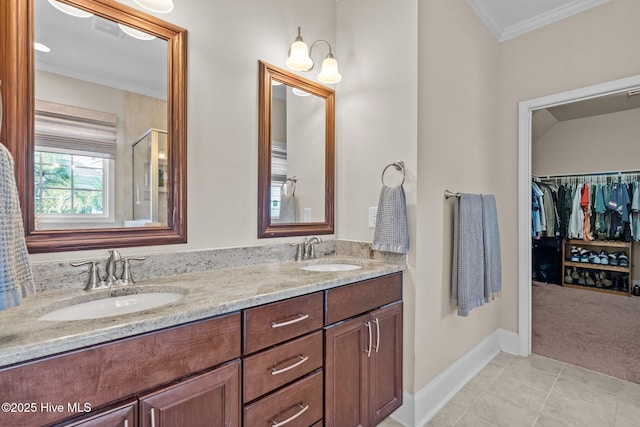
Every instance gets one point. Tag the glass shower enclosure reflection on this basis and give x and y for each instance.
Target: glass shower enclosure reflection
(150, 179)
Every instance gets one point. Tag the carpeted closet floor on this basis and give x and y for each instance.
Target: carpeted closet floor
(594, 330)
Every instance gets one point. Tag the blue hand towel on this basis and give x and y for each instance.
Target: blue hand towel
(16, 280)
(392, 232)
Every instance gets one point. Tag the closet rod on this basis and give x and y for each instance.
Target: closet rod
(568, 175)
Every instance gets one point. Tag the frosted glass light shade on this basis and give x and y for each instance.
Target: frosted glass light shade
(70, 10)
(299, 59)
(158, 6)
(329, 72)
(141, 35)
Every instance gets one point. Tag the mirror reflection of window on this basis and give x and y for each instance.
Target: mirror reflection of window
(74, 159)
(88, 63)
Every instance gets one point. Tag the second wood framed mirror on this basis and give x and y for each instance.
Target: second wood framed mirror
(296, 155)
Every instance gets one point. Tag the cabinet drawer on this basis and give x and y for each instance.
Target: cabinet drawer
(273, 323)
(351, 300)
(300, 403)
(270, 369)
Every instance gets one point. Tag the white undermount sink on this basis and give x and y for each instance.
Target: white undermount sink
(331, 267)
(112, 306)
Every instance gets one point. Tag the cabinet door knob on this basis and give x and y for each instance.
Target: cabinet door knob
(291, 418)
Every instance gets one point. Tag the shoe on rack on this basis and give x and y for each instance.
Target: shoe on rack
(589, 280)
(598, 279)
(582, 280)
(575, 254)
(584, 255)
(568, 278)
(574, 274)
(604, 257)
(623, 259)
(625, 283)
(613, 258)
(594, 258)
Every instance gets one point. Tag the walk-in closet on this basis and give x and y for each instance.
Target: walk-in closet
(585, 229)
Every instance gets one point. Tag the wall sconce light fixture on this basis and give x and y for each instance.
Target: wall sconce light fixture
(300, 60)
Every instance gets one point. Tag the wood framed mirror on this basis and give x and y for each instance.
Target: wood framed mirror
(296, 155)
(27, 94)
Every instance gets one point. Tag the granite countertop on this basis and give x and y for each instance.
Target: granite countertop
(23, 337)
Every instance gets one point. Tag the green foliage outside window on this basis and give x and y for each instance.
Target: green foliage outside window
(68, 184)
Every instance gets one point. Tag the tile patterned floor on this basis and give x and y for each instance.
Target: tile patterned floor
(536, 391)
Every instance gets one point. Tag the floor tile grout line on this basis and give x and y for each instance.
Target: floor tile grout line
(480, 394)
(550, 391)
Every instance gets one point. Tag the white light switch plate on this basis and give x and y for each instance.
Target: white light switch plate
(373, 212)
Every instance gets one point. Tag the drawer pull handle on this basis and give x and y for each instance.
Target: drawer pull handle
(291, 418)
(303, 359)
(300, 318)
(153, 418)
(126, 423)
(377, 346)
(368, 324)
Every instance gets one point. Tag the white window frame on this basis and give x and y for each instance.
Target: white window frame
(108, 190)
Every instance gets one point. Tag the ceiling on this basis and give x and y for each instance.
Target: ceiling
(96, 50)
(507, 19)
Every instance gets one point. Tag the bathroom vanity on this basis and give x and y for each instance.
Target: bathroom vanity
(245, 346)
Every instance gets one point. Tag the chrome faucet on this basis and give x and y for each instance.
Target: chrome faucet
(110, 269)
(300, 249)
(309, 247)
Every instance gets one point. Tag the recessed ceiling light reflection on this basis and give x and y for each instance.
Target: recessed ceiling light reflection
(159, 6)
(141, 35)
(70, 10)
(299, 92)
(41, 48)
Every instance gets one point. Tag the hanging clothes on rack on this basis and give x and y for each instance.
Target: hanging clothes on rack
(599, 206)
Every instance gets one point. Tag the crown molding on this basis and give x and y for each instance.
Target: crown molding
(554, 15)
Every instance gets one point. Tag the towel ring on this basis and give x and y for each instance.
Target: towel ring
(293, 180)
(399, 165)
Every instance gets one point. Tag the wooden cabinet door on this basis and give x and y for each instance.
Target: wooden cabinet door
(122, 416)
(385, 364)
(207, 400)
(346, 373)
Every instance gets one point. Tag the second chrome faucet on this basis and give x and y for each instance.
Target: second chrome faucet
(306, 249)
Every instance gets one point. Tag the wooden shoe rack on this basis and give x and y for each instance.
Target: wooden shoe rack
(592, 269)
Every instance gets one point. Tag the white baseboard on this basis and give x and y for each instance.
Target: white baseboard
(417, 409)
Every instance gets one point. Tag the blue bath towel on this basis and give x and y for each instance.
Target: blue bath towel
(16, 280)
(468, 274)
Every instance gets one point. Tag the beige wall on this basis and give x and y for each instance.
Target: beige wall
(454, 125)
(592, 47)
(457, 147)
(376, 105)
(608, 142)
(225, 41)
